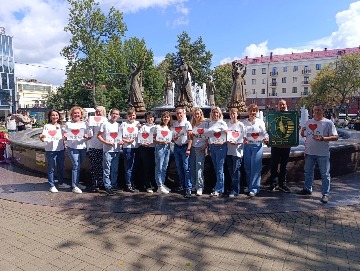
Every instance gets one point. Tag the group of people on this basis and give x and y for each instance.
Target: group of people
(19, 121)
(149, 144)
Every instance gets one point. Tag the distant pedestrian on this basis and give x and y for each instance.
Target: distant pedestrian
(11, 123)
(318, 132)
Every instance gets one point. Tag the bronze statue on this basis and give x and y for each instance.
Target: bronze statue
(136, 88)
(210, 91)
(238, 95)
(184, 98)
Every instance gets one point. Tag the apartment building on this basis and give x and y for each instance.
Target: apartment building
(31, 93)
(271, 78)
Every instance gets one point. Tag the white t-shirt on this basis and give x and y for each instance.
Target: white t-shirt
(94, 142)
(10, 123)
(76, 144)
(185, 126)
(255, 131)
(124, 126)
(236, 149)
(107, 128)
(324, 127)
(199, 135)
(54, 145)
(217, 126)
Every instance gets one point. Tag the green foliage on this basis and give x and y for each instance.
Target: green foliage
(223, 83)
(335, 83)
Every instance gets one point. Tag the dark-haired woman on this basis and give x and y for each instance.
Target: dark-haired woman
(54, 149)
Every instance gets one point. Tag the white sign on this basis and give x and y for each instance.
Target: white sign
(145, 137)
(235, 137)
(52, 135)
(217, 137)
(164, 135)
(130, 132)
(96, 120)
(75, 131)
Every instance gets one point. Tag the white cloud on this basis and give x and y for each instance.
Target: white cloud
(346, 36)
(136, 5)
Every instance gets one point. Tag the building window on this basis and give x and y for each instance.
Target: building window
(306, 91)
(306, 80)
(253, 91)
(294, 79)
(294, 90)
(263, 70)
(253, 81)
(295, 69)
(284, 69)
(253, 71)
(262, 91)
(318, 67)
(293, 100)
(283, 90)
(263, 81)
(283, 80)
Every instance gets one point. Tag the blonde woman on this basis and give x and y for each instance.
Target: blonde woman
(75, 134)
(218, 148)
(198, 148)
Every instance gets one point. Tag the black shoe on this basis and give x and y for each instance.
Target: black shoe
(284, 188)
(272, 188)
(304, 192)
(131, 189)
(187, 194)
(324, 199)
(115, 189)
(179, 189)
(110, 192)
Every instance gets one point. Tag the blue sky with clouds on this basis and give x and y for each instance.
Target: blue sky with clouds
(231, 29)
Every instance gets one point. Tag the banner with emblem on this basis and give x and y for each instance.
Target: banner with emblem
(283, 128)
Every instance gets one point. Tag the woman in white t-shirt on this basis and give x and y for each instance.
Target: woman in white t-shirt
(198, 148)
(218, 148)
(162, 139)
(76, 135)
(52, 134)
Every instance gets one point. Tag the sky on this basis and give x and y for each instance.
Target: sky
(230, 29)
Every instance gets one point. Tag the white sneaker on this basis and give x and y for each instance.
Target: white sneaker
(199, 192)
(53, 189)
(252, 194)
(163, 190)
(149, 190)
(82, 187)
(77, 190)
(167, 188)
(64, 185)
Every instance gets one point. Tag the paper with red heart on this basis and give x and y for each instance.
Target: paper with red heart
(146, 135)
(164, 135)
(96, 120)
(52, 135)
(217, 137)
(75, 132)
(255, 137)
(235, 137)
(113, 136)
(178, 129)
(52, 132)
(313, 128)
(130, 131)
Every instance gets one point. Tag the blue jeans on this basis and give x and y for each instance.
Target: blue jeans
(218, 155)
(162, 155)
(110, 166)
(324, 167)
(77, 156)
(129, 155)
(197, 162)
(55, 158)
(182, 165)
(234, 166)
(253, 165)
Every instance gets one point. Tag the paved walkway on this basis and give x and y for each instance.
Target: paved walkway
(64, 231)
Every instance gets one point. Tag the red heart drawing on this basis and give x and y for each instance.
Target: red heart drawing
(164, 133)
(145, 135)
(130, 129)
(200, 131)
(217, 134)
(75, 131)
(97, 118)
(255, 135)
(313, 126)
(114, 135)
(178, 129)
(235, 134)
(52, 132)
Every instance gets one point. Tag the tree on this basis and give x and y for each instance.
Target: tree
(223, 83)
(336, 83)
(91, 32)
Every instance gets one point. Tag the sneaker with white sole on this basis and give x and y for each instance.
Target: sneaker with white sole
(77, 190)
(167, 188)
(163, 190)
(215, 194)
(149, 190)
(252, 194)
(64, 185)
(53, 189)
(199, 192)
(82, 187)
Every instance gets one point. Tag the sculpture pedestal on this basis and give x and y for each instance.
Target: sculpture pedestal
(186, 105)
(139, 106)
(241, 106)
